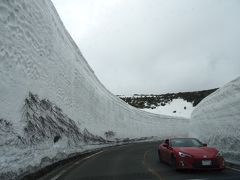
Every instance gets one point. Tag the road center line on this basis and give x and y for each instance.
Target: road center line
(151, 169)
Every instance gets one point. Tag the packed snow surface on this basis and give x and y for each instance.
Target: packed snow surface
(176, 107)
(51, 103)
(216, 120)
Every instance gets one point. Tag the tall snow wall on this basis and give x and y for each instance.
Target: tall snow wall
(38, 55)
(216, 120)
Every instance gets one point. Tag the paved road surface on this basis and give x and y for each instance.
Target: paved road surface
(132, 162)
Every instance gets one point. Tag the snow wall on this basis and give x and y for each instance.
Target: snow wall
(38, 56)
(216, 120)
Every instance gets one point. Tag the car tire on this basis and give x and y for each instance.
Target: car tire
(159, 156)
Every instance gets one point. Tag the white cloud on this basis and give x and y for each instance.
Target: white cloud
(142, 46)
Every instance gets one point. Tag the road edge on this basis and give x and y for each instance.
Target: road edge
(87, 154)
(232, 166)
(71, 159)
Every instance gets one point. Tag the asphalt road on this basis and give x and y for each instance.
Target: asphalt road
(132, 162)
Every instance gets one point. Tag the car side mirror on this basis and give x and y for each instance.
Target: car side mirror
(204, 144)
(165, 145)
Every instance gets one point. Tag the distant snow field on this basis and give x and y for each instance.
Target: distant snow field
(177, 107)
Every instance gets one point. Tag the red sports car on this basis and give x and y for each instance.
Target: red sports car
(190, 153)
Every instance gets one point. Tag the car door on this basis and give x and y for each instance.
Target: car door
(168, 154)
(164, 150)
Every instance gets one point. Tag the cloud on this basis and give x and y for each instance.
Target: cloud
(157, 46)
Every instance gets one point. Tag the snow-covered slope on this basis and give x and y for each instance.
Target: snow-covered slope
(51, 103)
(176, 107)
(179, 104)
(216, 120)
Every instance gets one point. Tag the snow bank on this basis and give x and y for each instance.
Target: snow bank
(37, 55)
(216, 120)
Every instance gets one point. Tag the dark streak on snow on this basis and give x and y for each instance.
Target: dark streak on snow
(45, 120)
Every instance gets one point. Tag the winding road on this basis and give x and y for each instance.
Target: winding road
(132, 162)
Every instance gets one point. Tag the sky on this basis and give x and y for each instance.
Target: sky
(156, 46)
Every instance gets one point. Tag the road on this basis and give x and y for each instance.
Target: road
(132, 162)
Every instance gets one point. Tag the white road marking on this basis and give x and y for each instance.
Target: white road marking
(76, 163)
(238, 170)
(196, 179)
(91, 156)
(58, 175)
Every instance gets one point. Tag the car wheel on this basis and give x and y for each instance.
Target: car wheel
(159, 156)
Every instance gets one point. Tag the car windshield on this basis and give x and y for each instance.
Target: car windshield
(185, 142)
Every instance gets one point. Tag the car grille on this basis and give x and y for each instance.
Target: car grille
(198, 164)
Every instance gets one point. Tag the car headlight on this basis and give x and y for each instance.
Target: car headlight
(181, 154)
(219, 154)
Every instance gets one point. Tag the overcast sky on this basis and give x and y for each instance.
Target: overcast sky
(156, 46)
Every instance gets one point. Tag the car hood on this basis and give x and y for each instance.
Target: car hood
(198, 152)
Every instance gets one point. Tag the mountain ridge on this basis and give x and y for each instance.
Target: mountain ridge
(147, 101)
